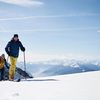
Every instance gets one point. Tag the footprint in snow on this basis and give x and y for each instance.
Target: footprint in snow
(15, 94)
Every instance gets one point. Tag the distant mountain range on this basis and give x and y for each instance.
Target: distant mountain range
(60, 67)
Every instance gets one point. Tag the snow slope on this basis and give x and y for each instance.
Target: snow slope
(81, 86)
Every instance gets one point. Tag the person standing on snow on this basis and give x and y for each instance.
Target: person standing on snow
(12, 49)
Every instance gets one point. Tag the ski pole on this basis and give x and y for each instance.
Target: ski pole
(25, 64)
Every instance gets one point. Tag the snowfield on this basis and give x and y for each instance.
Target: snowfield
(81, 86)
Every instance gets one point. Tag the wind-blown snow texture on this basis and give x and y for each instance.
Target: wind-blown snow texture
(82, 86)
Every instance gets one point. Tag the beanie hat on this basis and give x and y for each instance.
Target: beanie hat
(15, 35)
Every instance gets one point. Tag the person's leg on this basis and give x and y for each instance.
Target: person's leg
(12, 69)
(2, 74)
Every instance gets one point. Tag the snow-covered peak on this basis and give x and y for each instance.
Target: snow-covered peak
(60, 67)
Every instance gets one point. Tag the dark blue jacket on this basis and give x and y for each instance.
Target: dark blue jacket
(12, 48)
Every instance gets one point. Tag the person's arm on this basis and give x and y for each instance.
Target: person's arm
(7, 49)
(21, 46)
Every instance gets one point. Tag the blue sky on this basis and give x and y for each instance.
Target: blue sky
(52, 28)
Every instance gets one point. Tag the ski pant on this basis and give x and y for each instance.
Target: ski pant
(1, 74)
(12, 69)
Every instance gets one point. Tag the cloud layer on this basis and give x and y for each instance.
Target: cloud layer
(46, 16)
(99, 31)
(25, 3)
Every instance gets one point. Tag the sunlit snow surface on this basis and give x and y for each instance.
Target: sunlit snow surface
(81, 86)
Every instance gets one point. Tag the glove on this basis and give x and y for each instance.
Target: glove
(8, 53)
(23, 49)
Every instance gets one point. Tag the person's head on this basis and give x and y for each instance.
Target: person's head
(3, 56)
(15, 37)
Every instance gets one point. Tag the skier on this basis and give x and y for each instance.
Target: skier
(2, 65)
(12, 49)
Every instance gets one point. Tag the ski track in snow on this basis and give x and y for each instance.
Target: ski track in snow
(82, 86)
